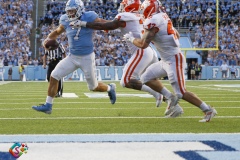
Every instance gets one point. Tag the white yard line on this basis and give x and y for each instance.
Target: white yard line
(19, 103)
(110, 108)
(214, 89)
(61, 118)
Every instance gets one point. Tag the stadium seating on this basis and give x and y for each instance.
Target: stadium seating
(196, 19)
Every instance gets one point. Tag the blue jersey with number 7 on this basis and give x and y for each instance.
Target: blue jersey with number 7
(80, 40)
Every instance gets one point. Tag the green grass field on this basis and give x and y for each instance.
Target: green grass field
(84, 115)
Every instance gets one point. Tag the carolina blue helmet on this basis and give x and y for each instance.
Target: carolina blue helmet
(74, 9)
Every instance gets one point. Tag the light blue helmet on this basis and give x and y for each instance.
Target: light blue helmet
(74, 9)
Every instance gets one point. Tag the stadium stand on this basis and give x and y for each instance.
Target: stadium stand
(193, 18)
(15, 28)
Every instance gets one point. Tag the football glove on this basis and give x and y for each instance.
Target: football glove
(128, 37)
(78, 24)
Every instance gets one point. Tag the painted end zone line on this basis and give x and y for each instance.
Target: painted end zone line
(117, 137)
(185, 146)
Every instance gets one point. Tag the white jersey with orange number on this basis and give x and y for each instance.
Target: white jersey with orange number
(165, 40)
(134, 24)
(141, 58)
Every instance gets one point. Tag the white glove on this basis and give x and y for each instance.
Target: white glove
(128, 37)
(78, 24)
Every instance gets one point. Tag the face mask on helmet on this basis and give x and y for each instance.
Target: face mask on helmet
(129, 6)
(150, 7)
(74, 9)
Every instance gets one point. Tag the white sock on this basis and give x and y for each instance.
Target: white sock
(49, 99)
(108, 89)
(204, 106)
(149, 90)
(166, 93)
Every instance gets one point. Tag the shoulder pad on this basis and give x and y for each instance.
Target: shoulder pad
(126, 16)
(63, 19)
(89, 16)
(90, 13)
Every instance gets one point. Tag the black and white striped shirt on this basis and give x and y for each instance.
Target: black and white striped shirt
(55, 54)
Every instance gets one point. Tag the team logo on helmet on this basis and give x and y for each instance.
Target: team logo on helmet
(129, 6)
(151, 7)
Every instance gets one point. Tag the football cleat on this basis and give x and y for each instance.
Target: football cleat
(209, 114)
(172, 102)
(159, 99)
(46, 108)
(178, 111)
(112, 93)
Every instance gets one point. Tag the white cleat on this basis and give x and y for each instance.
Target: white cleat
(176, 112)
(172, 102)
(159, 99)
(209, 115)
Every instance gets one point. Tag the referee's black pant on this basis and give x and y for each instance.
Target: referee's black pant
(51, 67)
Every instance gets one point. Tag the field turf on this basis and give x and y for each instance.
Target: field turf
(130, 114)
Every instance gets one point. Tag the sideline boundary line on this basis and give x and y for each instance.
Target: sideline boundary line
(116, 137)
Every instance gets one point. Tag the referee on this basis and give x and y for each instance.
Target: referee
(54, 56)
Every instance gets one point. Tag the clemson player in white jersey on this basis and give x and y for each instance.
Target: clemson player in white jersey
(159, 30)
(129, 20)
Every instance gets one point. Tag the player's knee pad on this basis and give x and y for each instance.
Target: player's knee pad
(55, 74)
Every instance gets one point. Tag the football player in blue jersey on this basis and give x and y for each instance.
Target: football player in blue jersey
(81, 54)
(128, 20)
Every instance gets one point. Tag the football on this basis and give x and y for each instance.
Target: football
(51, 44)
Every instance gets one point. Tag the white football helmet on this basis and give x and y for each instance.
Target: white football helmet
(74, 9)
(151, 7)
(129, 6)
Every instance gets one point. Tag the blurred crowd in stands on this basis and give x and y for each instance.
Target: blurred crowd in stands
(197, 18)
(15, 30)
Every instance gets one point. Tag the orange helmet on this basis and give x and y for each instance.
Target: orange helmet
(129, 6)
(150, 7)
